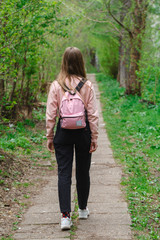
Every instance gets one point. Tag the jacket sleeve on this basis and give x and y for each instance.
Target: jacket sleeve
(51, 111)
(93, 116)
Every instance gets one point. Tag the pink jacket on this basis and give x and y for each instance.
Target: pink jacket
(54, 99)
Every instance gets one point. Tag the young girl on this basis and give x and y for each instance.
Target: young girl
(83, 141)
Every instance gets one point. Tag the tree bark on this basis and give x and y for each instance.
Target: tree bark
(124, 48)
(2, 81)
(124, 59)
(23, 73)
(2, 89)
(133, 85)
(139, 18)
(14, 84)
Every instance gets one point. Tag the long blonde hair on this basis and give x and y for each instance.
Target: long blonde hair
(72, 65)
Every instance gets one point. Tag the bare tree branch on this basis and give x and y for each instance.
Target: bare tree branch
(93, 20)
(121, 24)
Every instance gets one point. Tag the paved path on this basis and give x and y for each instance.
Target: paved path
(109, 218)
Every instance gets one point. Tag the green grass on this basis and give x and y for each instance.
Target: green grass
(20, 137)
(8, 238)
(134, 131)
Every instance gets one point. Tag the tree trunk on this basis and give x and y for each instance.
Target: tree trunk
(139, 19)
(28, 91)
(124, 58)
(133, 84)
(92, 57)
(23, 73)
(2, 81)
(14, 84)
(124, 49)
(2, 93)
(2, 90)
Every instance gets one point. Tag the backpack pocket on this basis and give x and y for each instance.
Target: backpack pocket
(73, 122)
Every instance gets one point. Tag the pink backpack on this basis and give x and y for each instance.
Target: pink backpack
(72, 110)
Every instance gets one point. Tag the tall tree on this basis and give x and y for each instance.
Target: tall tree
(139, 24)
(124, 47)
(136, 33)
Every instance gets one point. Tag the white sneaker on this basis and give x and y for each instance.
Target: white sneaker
(66, 223)
(83, 214)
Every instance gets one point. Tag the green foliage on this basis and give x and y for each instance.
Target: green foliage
(20, 137)
(99, 48)
(133, 129)
(150, 78)
(149, 73)
(39, 114)
(107, 52)
(24, 26)
(34, 35)
(102, 37)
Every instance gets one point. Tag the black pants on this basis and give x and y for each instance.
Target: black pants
(65, 142)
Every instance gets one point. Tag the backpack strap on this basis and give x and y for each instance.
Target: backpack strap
(78, 87)
(80, 84)
(66, 88)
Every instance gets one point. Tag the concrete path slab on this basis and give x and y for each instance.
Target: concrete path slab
(109, 218)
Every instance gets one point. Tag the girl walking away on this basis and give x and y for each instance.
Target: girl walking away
(72, 99)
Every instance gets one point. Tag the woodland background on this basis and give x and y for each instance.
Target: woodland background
(119, 38)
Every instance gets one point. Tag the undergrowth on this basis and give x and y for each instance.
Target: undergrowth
(133, 128)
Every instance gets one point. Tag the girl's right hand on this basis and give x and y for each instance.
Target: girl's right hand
(50, 145)
(93, 147)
